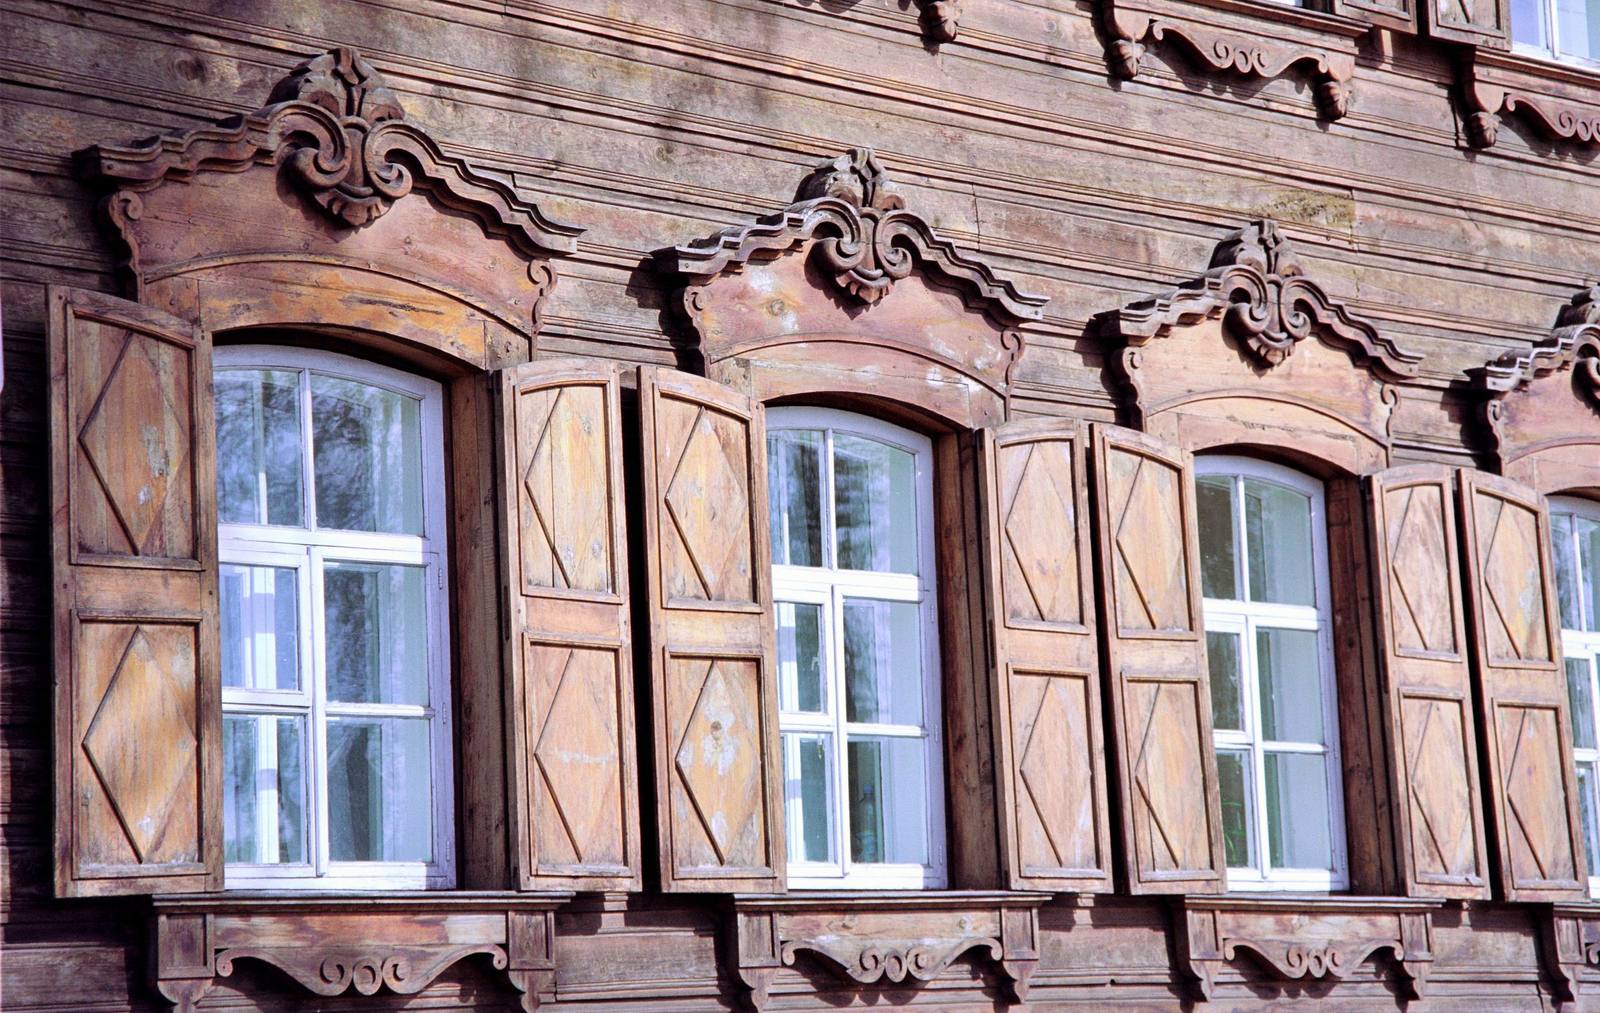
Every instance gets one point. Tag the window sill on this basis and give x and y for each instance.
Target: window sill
(1571, 946)
(1250, 38)
(1557, 99)
(885, 936)
(1305, 936)
(337, 942)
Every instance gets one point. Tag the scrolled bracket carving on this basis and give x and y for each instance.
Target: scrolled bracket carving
(1569, 947)
(895, 961)
(402, 970)
(940, 19)
(1555, 100)
(1224, 43)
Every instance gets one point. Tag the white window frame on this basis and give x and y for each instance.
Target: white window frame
(1243, 618)
(1552, 32)
(1585, 643)
(307, 550)
(828, 587)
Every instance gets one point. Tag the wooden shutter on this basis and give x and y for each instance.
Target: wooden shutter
(1400, 15)
(1522, 696)
(1155, 662)
(718, 780)
(138, 719)
(1427, 684)
(574, 775)
(1484, 23)
(1048, 727)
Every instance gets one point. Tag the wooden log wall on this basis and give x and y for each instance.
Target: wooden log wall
(658, 124)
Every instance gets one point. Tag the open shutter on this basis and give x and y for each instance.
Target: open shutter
(570, 714)
(1427, 682)
(138, 719)
(1485, 23)
(1048, 727)
(718, 783)
(1400, 15)
(1522, 694)
(1155, 661)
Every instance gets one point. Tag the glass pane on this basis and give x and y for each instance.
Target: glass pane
(1580, 691)
(794, 485)
(1233, 778)
(888, 786)
(1527, 23)
(1589, 566)
(1586, 813)
(807, 781)
(1227, 705)
(800, 657)
(1277, 533)
(1291, 685)
(368, 459)
(1297, 811)
(883, 661)
(1564, 549)
(875, 494)
(260, 626)
(380, 794)
(263, 789)
(376, 622)
(258, 430)
(1578, 28)
(1218, 557)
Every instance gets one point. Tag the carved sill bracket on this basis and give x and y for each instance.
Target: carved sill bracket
(1304, 938)
(1253, 40)
(940, 19)
(884, 938)
(1570, 946)
(337, 944)
(1556, 99)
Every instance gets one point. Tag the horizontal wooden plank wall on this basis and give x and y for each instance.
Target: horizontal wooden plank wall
(656, 124)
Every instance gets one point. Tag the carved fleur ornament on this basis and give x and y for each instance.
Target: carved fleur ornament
(1268, 304)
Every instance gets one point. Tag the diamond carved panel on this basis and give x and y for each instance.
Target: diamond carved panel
(579, 755)
(135, 441)
(1056, 773)
(566, 522)
(1535, 794)
(1151, 575)
(1513, 580)
(708, 501)
(1442, 829)
(1419, 571)
(1041, 572)
(1165, 775)
(142, 742)
(719, 760)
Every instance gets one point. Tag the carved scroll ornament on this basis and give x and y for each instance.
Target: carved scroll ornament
(1573, 345)
(1556, 100)
(1257, 45)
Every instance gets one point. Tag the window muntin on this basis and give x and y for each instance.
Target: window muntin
(1576, 546)
(335, 670)
(1566, 30)
(1264, 575)
(852, 535)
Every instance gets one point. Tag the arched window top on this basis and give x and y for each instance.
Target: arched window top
(1263, 533)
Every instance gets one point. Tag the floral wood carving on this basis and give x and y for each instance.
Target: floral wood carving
(341, 135)
(871, 960)
(1556, 100)
(1249, 46)
(401, 970)
(1574, 344)
(1289, 939)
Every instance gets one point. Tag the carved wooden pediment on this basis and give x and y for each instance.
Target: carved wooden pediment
(1297, 940)
(1540, 409)
(1257, 327)
(847, 282)
(315, 181)
(893, 939)
(1249, 40)
(330, 946)
(1557, 100)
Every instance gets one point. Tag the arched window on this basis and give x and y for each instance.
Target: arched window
(335, 664)
(1264, 574)
(1575, 524)
(853, 581)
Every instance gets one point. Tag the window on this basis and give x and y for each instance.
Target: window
(1560, 29)
(335, 671)
(1264, 572)
(858, 666)
(1576, 545)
